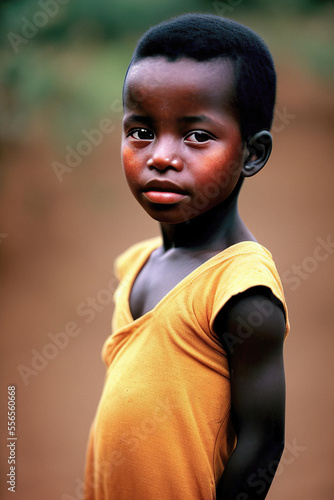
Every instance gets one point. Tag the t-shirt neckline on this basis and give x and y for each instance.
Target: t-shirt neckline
(153, 244)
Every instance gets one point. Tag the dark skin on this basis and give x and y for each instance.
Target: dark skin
(186, 246)
(177, 131)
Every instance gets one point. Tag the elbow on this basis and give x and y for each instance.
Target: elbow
(276, 446)
(272, 446)
(279, 440)
(280, 448)
(276, 440)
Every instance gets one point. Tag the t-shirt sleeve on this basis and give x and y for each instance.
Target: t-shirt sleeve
(243, 273)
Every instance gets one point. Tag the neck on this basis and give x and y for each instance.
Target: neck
(214, 230)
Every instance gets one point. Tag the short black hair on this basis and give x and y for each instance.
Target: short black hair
(206, 36)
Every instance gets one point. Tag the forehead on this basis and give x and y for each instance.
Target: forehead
(157, 77)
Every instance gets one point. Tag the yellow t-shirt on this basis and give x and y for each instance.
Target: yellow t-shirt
(163, 428)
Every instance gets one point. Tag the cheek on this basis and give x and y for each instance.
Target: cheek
(222, 170)
(129, 161)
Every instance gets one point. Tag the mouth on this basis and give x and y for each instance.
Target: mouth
(163, 192)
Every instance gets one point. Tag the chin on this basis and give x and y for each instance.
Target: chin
(172, 215)
(166, 214)
(166, 218)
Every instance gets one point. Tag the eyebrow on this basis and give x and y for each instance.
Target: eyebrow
(197, 118)
(146, 120)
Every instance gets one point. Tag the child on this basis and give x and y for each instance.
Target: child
(193, 403)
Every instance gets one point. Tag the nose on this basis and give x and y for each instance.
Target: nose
(164, 156)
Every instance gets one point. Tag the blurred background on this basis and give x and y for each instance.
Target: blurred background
(66, 212)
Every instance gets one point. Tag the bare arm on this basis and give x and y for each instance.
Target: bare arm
(252, 330)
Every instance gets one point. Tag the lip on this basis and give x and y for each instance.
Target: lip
(164, 185)
(163, 192)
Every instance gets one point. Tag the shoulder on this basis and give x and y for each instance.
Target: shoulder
(134, 254)
(247, 284)
(248, 261)
(254, 320)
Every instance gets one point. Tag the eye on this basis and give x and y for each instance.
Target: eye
(199, 137)
(141, 134)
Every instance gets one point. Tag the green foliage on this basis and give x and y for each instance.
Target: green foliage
(70, 88)
(100, 20)
(63, 20)
(66, 59)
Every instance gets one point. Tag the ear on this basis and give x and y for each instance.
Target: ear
(259, 148)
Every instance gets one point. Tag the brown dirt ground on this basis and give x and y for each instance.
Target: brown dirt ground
(58, 244)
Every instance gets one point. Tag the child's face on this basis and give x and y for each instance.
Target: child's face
(181, 149)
